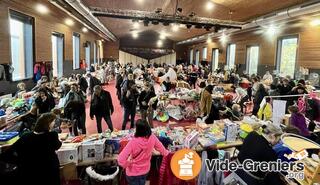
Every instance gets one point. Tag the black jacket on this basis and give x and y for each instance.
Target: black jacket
(258, 149)
(83, 84)
(45, 106)
(145, 97)
(36, 158)
(131, 101)
(93, 82)
(101, 105)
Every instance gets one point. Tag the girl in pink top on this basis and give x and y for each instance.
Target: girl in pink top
(135, 157)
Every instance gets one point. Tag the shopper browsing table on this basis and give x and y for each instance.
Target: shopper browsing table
(135, 157)
(35, 154)
(101, 107)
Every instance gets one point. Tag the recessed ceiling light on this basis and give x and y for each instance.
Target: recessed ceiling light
(315, 22)
(136, 25)
(135, 35)
(42, 9)
(209, 5)
(139, 1)
(175, 27)
(162, 35)
(159, 43)
(84, 30)
(69, 22)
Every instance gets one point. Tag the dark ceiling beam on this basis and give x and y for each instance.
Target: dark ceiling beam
(167, 18)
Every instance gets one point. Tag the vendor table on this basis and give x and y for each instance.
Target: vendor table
(107, 158)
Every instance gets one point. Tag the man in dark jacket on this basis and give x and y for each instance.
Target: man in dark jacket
(101, 107)
(93, 81)
(45, 101)
(144, 99)
(129, 101)
(82, 82)
(119, 80)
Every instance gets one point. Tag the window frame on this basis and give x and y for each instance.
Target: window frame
(206, 56)
(227, 57)
(191, 56)
(248, 57)
(23, 17)
(61, 35)
(213, 55)
(279, 52)
(75, 34)
(197, 61)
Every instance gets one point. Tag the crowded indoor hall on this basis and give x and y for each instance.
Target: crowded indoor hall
(159, 92)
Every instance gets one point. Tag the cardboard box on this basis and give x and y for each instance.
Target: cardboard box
(68, 153)
(69, 172)
(192, 139)
(92, 151)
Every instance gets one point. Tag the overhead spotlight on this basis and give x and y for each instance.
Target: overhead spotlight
(42, 9)
(223, 38)
(209, 40)
(188, 26)
(159, 43)
(175, 27)
(192, 14)
(198, 26)
(158, 10)
(136, 25)
(69, 22)
(146, 22)
(179, 10)
(271, 30)
(135, 34)
(162, 35)
(155, 22)
(84, 30)
(209, 5)
(315, 22)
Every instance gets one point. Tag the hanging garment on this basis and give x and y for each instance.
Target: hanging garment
(265, 112)
(302, 105)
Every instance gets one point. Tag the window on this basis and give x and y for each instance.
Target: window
(87, 50)
(197, 57)
(57, 54)
(191, 56)
(231, 56)
(76, 51)
(252, 59)
(287, 55)
(204, 54)
(94, 53)
(21, 40)
(215, 59)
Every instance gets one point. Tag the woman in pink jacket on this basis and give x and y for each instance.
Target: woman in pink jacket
(136, 156)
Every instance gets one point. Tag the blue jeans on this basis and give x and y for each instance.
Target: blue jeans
(137, 180)
(128, 112)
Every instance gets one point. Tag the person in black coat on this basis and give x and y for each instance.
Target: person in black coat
(260, 94)
(82, 82)
(258, 148)
(119, 79)
(35, 154)
(144, 99)
(101, 107)
(129, 100)
(45, 101)
(93, 81)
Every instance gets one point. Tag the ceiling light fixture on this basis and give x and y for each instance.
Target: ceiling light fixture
(223, 38)
(175, 27)
(84, 30)
(271, 30)
(135, 35)
(136, 25)
(69, 22)
(209, 5)
(162, 35)
(315, 22)
(42, 9)
(209, 40)
(159, 43)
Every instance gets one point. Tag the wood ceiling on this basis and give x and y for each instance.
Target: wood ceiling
(243, 10)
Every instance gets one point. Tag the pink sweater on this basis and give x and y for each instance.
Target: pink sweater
(136, 156)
